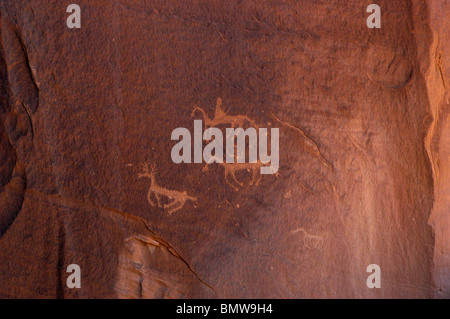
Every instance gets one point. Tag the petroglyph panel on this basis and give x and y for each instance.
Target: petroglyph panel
(362, 176)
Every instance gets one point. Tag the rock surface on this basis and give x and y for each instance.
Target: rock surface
(438, 140)
(86, 175)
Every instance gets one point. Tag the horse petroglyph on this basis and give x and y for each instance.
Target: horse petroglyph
(222, 118)
(232, 169)
(176, 199)
(258, 143)
(312, 241)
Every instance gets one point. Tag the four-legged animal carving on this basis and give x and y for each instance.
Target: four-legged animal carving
(312, 241)
(178, 198)
(233, 168)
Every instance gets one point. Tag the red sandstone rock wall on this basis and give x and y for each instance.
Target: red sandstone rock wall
(363, 149)
(438, 138)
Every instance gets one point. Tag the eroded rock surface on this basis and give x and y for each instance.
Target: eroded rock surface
(438, 139)
(87, 177)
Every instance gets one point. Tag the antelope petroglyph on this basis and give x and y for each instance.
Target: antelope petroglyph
(312, 241)
(176, 199)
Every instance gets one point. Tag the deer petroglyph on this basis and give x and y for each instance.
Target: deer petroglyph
(176, 199)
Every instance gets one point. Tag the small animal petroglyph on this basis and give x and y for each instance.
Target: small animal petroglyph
(221, 118)
(176, 199)
(312, 241)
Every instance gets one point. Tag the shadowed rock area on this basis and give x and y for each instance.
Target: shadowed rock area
(86, 175)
